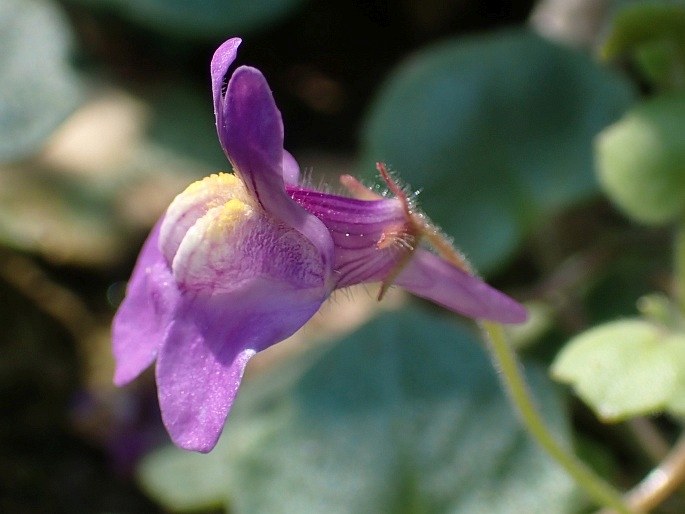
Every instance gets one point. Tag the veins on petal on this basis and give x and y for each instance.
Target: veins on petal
(417, 227)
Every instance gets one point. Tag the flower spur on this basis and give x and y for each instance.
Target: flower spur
(241, 261)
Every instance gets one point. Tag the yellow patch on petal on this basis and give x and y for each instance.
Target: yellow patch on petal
(215, 180)
(199, 198)
(215, 247)
(216, 188)
(225, 220)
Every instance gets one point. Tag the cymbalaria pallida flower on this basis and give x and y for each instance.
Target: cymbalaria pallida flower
(241, 261)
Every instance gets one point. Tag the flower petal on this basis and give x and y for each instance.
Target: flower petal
(141, 321)
(433, 278)
(196, 387)
(193, 203)
(221, 61)
(252, 137)
(201, 364)
(291, 170)
(232, 245)
(357, 228)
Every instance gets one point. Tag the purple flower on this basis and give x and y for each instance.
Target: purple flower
(241, 261)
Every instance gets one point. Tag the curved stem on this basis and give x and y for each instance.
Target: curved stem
(649, 439)
(512, 378)
(660, 482)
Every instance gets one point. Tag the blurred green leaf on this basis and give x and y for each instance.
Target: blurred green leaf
(626, 368)
(639, 22)
(405, 415)
(38, 89)
(187, 481)
(201, 19)
(641, 160)
(653, 34)
(496, 131)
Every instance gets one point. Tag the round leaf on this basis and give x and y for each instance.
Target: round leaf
(405, 415)
(625, 368)
(496, 131)
(641, 160)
